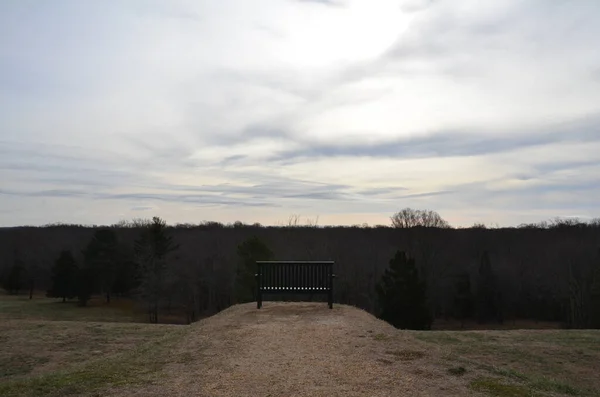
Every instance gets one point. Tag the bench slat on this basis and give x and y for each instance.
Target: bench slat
(294, 277)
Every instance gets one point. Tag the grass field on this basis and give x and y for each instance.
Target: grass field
(48, 348)
(43, 308)
(57, 358)
(51, 348)
(534, 362)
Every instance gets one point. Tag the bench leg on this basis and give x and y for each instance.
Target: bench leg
(259, 300)
(330, 299)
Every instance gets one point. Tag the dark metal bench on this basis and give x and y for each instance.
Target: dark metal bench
(294, 277)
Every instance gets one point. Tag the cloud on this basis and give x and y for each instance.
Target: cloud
(236, 110)
(45, 193)
(451, 143)
(332, 3)
(142, 208)
(533, 198)
(410, 6)
(198, 199)
(380, 191)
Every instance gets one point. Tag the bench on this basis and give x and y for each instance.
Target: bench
(294, 277)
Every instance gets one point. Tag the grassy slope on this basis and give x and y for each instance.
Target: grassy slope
(40, 354)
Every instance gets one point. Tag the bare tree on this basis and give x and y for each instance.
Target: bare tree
(293, 220)
(478, 225)
(408, 217)
(134, 223)
(312, 222)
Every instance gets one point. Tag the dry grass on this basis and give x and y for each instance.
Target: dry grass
(61, 357)
(43, 308)
(50, 348)
(564, 362)
(472, 325)
(52, 344)
(284, 349)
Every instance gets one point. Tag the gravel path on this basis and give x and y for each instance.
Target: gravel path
(300, 349)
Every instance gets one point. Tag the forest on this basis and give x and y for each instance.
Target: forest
(409, 273)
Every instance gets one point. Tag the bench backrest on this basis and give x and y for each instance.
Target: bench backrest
(295, 275)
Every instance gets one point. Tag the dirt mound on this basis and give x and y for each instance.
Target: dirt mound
(301, 349)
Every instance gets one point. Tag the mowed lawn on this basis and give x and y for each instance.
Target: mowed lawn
(52, 349)
(523, 362)
(43, 308)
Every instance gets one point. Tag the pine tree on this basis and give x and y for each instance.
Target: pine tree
(14, 280)
(402, 295)
(595, 295)
(487, 292)
(463, 300)
(101, 258)
(64, 277)
(249, 251)
(151, 249)
(85, 284)
(126, 278)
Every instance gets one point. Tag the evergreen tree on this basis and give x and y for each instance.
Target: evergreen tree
(15, 278)
(126, 276)
(32, 274)
(249, 251)
(85, 284)
(463, 299)
(595, 295)
(151, 249)
(402, 295)
(101, 257)
(64, 277)
(487, 292)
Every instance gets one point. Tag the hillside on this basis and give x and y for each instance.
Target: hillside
(297, 349)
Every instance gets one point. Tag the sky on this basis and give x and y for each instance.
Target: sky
(345, 110)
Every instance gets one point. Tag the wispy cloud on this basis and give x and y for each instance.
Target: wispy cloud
(454, 143)
(142, 208)
(334, 3)
(411, 6)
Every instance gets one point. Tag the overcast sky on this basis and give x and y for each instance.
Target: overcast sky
(486, 111)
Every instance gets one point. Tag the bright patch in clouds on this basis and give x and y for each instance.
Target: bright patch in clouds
(346, 109)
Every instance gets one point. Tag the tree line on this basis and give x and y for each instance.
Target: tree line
(410, 273)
